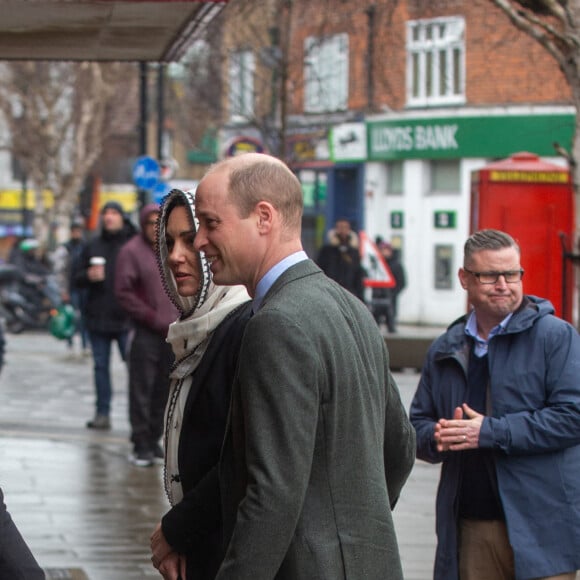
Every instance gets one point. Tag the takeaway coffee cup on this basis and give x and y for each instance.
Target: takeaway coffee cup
(99, 271)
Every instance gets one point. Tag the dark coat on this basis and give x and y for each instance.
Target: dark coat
(103, 313)
(533, 429)
(319, 444)
(201, 438)
(342, 263)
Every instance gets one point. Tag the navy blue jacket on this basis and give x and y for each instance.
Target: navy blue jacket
(534, 430)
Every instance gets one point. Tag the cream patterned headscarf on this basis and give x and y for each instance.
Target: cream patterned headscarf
(191, 333)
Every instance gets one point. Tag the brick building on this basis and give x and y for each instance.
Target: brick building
(388, 108)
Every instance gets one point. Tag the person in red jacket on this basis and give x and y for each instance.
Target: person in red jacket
(139, 291)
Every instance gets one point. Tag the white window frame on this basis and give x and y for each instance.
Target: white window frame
(436, 61)
(241, 90)
(326, 73)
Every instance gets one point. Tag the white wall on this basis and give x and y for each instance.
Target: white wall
(421, 303)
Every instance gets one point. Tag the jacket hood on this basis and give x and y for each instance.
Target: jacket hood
(145, 212)
(185, 304)
(531, 309)
(210, 302)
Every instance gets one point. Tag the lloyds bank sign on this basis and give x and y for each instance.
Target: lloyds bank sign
(455, 137)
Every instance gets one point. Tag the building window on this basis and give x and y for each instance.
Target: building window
(241, 94)
(395, 178)
(326, 74)
(445, 176)
(444, 268)
(436, 61)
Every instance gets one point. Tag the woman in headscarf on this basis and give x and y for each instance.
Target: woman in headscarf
(205, 340)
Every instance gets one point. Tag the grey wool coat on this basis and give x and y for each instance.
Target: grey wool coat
(318, 445)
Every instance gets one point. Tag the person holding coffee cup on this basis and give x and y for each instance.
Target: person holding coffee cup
(106, 320)
(96, 270)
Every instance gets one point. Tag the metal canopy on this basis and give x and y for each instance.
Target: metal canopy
(101, 30)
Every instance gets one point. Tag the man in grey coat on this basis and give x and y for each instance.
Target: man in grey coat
(318, 444)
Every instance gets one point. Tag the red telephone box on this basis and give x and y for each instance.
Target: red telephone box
(533, 201)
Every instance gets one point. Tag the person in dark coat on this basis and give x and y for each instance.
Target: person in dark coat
(205, 339)
(139, 290)
(340, 260)
(498, 404)
(105, 319)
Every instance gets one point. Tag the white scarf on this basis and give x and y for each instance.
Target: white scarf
(189, 339)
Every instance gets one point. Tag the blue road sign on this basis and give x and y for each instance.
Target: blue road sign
(146, 172)
(160, 190)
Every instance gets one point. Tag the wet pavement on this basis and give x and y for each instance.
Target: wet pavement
(85, 512)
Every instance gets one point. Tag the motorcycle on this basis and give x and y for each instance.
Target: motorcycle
(27, 301)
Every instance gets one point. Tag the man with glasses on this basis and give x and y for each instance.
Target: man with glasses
(498, 404)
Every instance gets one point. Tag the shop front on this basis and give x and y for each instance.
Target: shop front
(418, 190)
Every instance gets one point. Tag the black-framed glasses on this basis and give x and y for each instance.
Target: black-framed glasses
(510, 276)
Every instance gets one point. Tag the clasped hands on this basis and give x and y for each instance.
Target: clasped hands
(167, 561)
(459, 434)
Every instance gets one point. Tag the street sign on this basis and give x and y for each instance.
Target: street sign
(160, 190)
(146, 172)
(379, 274)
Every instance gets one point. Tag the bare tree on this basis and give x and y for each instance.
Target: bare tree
(58, 116)
(555, 24)
(252, 40)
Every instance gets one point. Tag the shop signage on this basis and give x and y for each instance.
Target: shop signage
(397, 221)
(240, 145)
(530, 176)
(349, 142)
(445, 219)
(457, 137)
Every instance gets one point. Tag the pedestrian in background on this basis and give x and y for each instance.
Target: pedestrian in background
(318, 444)
(139, 291)
(64, 260)
(340, 258)
(498, 404)
(206, 339)
(384, 301)
(106, 320)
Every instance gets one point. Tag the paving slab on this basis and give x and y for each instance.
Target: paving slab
(85, 512)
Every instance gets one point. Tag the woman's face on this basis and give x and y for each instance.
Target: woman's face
(182, 259)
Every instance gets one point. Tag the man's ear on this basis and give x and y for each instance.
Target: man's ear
(265, 216)
(462, 275)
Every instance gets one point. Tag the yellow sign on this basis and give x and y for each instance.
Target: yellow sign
(530, 176)
(127, 199)
(13, 198)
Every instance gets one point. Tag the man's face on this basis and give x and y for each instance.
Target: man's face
(230, 242)
(150, 227)
(493, 302)
(76, 233)
(112, 220)
(342, 229)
